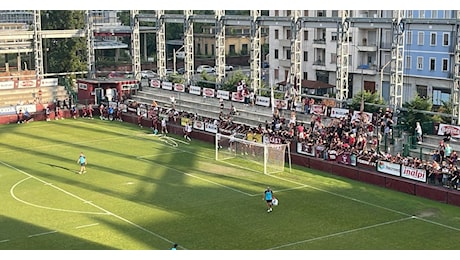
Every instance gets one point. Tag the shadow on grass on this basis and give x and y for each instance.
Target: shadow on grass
(60, 167)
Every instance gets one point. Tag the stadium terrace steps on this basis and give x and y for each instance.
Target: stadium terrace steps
(11, 97)
(251, 115)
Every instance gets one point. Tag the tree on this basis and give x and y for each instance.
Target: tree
(68, 54)
(414, 112)
(368, 98)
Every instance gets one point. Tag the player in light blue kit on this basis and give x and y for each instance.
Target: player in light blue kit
(82, 161)
(268, 197)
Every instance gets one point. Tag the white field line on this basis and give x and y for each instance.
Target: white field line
(44, 233)
(89, 225)
(92, 204)
(340, 233)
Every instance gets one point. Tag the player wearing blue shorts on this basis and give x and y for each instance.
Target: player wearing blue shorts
(268, 197)
(82, 161)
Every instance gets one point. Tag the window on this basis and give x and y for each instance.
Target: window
(244, 49)
(432, 64)
(440, 95)
(288, 13)
(232, 49)
(276, 74)
(421, 13)
(276, 34)
(305, 35)
(333, 58)
(288, 54)
(321, 13)
(446, 14)
(333, 36)
(445, 64)
(205, 49)
(213, 50)
(305, 13)
(445, 39)
(286, 74)
(408, 62)
(277, 13)
(419, 63)
(409, 37)
(433, 39)
(422, 91)
(410, 14)
(335, 13)
(288, 34)
(305, 56)
(305, 75)
(434, 13)
(276, 54)
(198, 47)
(420, 38)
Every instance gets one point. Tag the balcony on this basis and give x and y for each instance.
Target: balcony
(319, 65)
(319, 43)
(366, 69)
(367, 48)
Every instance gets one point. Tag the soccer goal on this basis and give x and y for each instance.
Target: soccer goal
(237, 151)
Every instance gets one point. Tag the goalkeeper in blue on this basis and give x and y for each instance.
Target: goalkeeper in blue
(268, 197)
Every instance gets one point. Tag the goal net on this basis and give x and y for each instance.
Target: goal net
(268, 158)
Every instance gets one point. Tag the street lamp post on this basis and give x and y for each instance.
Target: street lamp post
(381, 77)
(174, 58)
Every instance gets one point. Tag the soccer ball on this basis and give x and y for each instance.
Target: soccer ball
(275, 202)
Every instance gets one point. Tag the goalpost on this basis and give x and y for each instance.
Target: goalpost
(237, 151)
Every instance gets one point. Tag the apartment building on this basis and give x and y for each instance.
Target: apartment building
(428, 54)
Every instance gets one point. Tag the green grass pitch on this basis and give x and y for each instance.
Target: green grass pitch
(144, 192)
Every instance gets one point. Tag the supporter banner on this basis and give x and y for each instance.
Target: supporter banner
(344, 158)
(198, 125)
(237, 97)
(413, 173)
(32, 108)
(167, 85)
(208, 92)
(275, 139)
(210, 127)
(389, 168)
(263, 101)
(27, 83)
(179, 87)
(82, 86)
(195, 90)
(361, 116)
(281, 103)
(11, 110)
(155, 83)
(452, 129)
(307, 149)
(49, 82)
(339, 112)
(366, 162)
(318, 109)
(7, 85)
(223, 94)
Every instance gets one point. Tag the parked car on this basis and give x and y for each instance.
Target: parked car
(265, 65)
(181, 71)
(227, 68)
(148, 74)
(180, 55)
(206, 68)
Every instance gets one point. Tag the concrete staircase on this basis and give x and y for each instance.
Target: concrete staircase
(210, 107)
(11, 97)
(431, 143)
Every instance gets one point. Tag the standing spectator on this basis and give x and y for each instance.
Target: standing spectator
(20, 117)
(82, 161)
(173, 102)
(418, 132)
(101, 112)
(73, 110)
(90, 111)
(164, 128)
(187, 131)
(47, 113)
